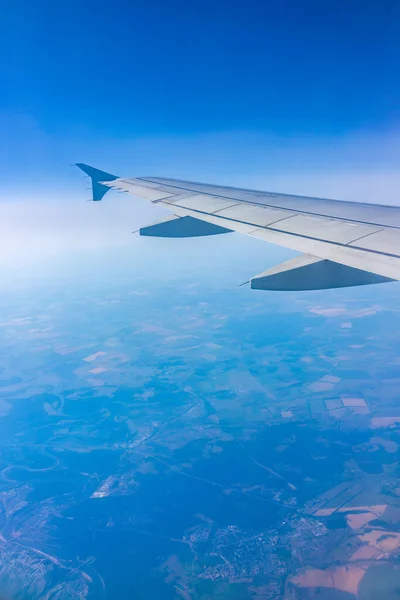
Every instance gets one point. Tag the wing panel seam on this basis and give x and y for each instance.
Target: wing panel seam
(364, 236)
(303, 212)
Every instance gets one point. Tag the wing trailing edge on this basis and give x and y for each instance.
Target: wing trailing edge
(311, 273)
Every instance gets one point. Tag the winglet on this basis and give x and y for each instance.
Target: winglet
(99, 190)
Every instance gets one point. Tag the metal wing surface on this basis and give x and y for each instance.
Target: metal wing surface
(343, 243)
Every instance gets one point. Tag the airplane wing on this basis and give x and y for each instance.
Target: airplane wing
(342, 243)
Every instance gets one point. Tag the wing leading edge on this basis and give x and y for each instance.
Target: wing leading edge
(344, 243)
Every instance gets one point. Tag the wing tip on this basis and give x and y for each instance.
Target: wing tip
(97, 176)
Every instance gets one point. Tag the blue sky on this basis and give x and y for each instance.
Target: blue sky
(288, 96)
(166, 68)
(79, 75)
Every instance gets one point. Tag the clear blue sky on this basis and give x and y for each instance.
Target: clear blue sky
(157, 67)
(209, 89)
